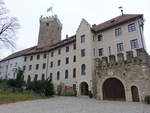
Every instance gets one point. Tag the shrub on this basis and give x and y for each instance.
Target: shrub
(42, 86)
(15, 83)
(147, 99)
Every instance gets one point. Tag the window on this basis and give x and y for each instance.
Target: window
(67, 49)
(25, 58)
(118, 31)
(131, 27)
(109, 49)
(74, 58)
(30, 67)
(29, 79)
(35, 77)
(47, 24)
(44, 65)
(43, 77)
(16, 64)
(31, 58)
(58, 62)
(66, 74)
(101, 52)
(82, 38)
(83, 68)
(120, 47)
(51, 65)
(93, 51)
(74, 46)
(51, 76)
(59, 51)
(44, 56)
(58, 75)
(14, 74)
(74, 72)
(134, 43)
(67, 60)
(52, 54)
(24, 67)
(37, 66)
(82, 52)
(99, 37)
(74, 87)
(38, 57)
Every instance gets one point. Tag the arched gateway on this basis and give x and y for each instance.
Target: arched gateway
(84, 88)
(113, 89)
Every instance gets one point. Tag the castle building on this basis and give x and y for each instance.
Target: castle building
(108, 59)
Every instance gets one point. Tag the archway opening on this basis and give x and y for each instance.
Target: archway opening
(84, 88)
(135, 94)
(113, 89)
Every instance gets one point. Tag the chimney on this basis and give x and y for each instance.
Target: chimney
(93, 25)
(66, 36)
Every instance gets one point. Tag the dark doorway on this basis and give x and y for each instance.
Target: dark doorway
(113, 89)
(84, 88)
(135, 94)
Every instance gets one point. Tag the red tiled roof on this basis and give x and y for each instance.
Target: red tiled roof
(115, 21)
(51, 47)
(35, 49)
(17, 54)
(106, 25)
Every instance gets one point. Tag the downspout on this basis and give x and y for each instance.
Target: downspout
(141, 36)
(47, 66)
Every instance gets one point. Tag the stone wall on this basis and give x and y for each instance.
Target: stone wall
(50, 31)
(134, 71)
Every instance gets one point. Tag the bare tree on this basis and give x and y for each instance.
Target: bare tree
(8, 27)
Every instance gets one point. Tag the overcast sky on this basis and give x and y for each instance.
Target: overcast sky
(70, 13)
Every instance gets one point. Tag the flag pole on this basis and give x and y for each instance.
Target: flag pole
(52, 10)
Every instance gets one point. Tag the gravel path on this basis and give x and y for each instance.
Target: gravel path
(74, 105)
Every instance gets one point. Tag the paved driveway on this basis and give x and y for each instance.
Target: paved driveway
(74, 105)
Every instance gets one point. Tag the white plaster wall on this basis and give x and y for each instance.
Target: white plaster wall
(84, 29)
(14, 64)
(33, 62)
(3, 69)
(70, 81)
(109, 39)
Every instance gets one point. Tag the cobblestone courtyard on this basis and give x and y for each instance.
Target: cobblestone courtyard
(74, 105)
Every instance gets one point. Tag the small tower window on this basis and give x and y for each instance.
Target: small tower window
(47, 24)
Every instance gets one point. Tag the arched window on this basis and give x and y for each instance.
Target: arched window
(58, 75)
(29, 79)
(66, 74)
(35, 77)
(83, 69)
(43, 77)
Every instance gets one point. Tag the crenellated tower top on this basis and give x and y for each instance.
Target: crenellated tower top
(50, 30)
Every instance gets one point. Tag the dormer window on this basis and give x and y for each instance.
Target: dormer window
(112, 21)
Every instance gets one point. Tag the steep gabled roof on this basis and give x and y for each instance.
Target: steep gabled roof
(115, 21)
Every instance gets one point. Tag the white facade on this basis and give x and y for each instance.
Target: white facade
(8, 67)
(112, 42)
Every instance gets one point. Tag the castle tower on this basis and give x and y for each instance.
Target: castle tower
(50, 30)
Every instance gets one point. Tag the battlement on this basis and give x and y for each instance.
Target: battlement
(50, 18)
(107, 62)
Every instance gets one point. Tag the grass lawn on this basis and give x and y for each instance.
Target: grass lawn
(15, 97)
